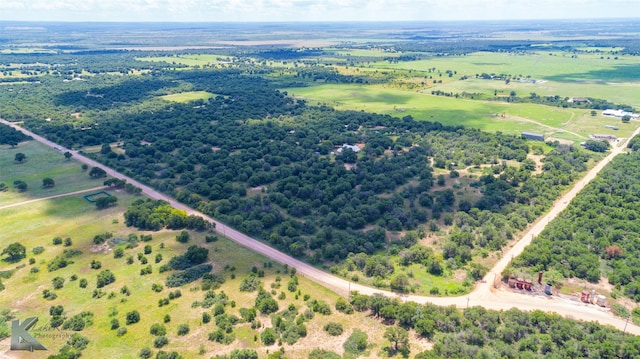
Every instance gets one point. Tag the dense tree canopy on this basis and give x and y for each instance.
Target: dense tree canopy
(597, 234)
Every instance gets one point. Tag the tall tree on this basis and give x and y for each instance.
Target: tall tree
(20, 157)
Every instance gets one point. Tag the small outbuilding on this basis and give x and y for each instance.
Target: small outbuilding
(533, 136)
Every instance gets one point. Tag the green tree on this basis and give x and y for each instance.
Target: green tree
(105, 202)
(20, 185)
(15, 251)
(68, 155)
(398, 336)
(20, 157)
(626, 118)
(183, 237)
(97, 172)
(48, 182)
(132, 317)
(268, 336)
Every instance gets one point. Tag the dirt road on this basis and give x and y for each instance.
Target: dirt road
(51, 197)
(483, 295)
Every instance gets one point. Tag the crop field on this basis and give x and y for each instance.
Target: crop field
(189, 96)
(41, 162)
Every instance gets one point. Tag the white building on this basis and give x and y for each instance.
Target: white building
(618, 113)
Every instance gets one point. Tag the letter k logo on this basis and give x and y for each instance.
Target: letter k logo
(21, 339)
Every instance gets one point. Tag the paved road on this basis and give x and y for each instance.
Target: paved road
(483, 295)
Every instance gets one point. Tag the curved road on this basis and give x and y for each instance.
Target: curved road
(483, 295)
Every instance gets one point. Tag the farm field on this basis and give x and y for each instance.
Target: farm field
(570, 124)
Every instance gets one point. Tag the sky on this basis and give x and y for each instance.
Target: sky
(313, 10)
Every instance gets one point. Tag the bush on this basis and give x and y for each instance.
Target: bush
(83, 283)
(323, 354)
(268, 336)
(57, 241)
(160, 341)
(145, 353)
(104, 278)
(343, 306)
(118, 253)
(357, 342)
(37, 250)
(115, 324)
(183, 329)
(121, 331)
(183, 237)
(58, 282)
(132, 317)
(333, 329)
(158, 329)
(188, 276)
(57, 263)
(250, 283)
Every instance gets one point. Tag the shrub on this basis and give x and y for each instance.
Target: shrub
(57, 241)
(343, 306)
(37, 250)
(333, 329)
(104, 278)
(57, 263)
(96, 264)
(115, 324)
(188, 276)
(145, 353)
(160, 341)
(58, 282)
(183, 329)
(118, 252)
(158, 329)
(323, 354)
(250, 283)
(121, 331)
(268, 336)
(357, 342)
(183, 237)
(132, 317)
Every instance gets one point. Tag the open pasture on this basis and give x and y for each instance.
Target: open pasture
(189, 60)
(559, 66)
(41, 162)
(570, 124)
(189, 96)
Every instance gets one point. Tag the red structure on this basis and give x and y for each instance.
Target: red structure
(540, 277)
(585, 296)
(520, 283)
(527, 284)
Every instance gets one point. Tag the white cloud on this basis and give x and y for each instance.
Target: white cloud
(313, 10)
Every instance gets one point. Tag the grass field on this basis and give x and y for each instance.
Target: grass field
(570, 124)
(189, 60)
(41, 162)
(189, 96)
(37, 223)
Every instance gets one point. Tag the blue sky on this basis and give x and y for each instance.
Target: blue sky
(312, 10)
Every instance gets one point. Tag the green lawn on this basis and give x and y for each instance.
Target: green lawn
(41, 162)
(189, 96)
(571, 124)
